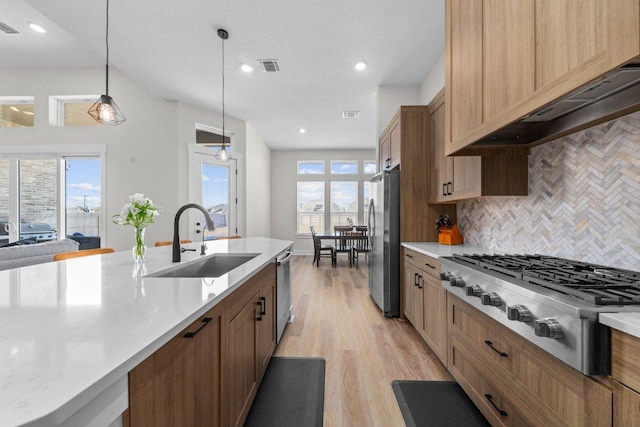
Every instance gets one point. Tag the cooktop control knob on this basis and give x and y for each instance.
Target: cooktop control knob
(473, 290)
(456, 281)
(519, 312)
(549, 328)
(445, 275)
(490, 298)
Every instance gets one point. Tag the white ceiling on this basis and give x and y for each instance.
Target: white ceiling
(172, 48)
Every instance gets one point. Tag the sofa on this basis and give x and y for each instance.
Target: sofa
(22, 255)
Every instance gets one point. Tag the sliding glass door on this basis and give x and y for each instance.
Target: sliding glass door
(215, 187)
(49, 197)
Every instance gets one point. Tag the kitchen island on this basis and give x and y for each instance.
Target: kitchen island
(71, 331)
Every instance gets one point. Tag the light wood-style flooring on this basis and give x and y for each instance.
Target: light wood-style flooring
(335, 318)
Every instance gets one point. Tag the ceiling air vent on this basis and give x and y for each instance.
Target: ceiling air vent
(269, 65)
(350, 114)
(7, 29)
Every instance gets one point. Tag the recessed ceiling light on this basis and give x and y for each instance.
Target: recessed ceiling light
(246, 68)
(302, 130)
(37, 28)
(14, 109)
(361, 65)
(28, 113)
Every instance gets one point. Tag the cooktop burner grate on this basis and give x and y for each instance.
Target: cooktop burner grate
(596, 284)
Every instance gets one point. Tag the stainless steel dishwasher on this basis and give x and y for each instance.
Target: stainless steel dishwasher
(283, 288)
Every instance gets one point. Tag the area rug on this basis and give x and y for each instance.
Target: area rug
(436, 404)
(291, 394)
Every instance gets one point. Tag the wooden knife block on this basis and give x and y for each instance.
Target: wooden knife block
(450, 236)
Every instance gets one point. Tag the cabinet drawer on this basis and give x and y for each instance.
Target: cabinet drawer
(425, 263)
(498, 404)
(559, 394)
(626, 406)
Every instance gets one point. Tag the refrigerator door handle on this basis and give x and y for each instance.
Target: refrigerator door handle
(371, 229)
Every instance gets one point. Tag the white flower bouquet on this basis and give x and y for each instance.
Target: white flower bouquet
(139, 213)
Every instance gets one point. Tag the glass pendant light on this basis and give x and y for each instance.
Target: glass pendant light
(222, 153)
(105, 110)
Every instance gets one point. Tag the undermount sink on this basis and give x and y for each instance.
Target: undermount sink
(212, 266)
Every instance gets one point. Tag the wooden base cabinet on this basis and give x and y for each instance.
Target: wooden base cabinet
(625, 370)
(209, 374)
(425, 300)
(180, 384)
(539, 388)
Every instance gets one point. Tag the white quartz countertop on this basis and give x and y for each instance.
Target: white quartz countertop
(70, 329)
(626, 322)
(436, 250)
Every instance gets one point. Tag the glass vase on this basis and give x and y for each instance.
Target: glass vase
(140, 249)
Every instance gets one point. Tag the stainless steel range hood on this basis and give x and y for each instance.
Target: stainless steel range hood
(613, 95)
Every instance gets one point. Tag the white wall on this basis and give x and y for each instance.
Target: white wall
(390, 98)
(146, 154)
(433, 82)
(284, 177)
(258, 195)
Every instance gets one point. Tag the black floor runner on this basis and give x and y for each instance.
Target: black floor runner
(291, 394)
(436, 404)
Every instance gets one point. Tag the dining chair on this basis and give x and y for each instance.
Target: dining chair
(320, 250)
(77, 254)
(170, 242)
(343, 242)
(360, 244)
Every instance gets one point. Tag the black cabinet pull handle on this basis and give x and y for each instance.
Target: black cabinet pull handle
(444, 188)
(415, 279)
(500, 411)
(205, 322)
(419, 279)
(449, 188)
(490, 344)
(263, 303)
(409, 255)
(429, 265)
(259, 318)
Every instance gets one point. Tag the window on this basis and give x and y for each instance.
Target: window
(369, 167)
(344, 203)
(344, 167)
(16, 111)
(310, 168)
(310, 206)
(52, 192)
(83, 196)
(72, 110)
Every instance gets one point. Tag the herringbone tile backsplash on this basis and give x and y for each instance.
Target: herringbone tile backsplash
(583, 202)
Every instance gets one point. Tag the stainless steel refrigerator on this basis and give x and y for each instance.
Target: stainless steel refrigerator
(384, 242)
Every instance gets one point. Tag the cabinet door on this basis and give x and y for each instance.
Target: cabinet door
(266, 325)
(467, 177)
(243, 366)
(395, 139)
(180, 383)
(435, 316)
(464, 68)
(441, 166)
(626, 406)
(509, 54)
(384, 156)
(413, 300)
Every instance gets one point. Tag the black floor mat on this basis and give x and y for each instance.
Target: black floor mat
(436, 404)
(290, 395)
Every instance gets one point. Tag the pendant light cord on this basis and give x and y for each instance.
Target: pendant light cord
(223, 144)
(107, 43)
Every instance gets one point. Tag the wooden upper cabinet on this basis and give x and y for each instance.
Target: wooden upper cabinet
(466, 177)
(508, 58)
(464, 67)
(390, 145)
